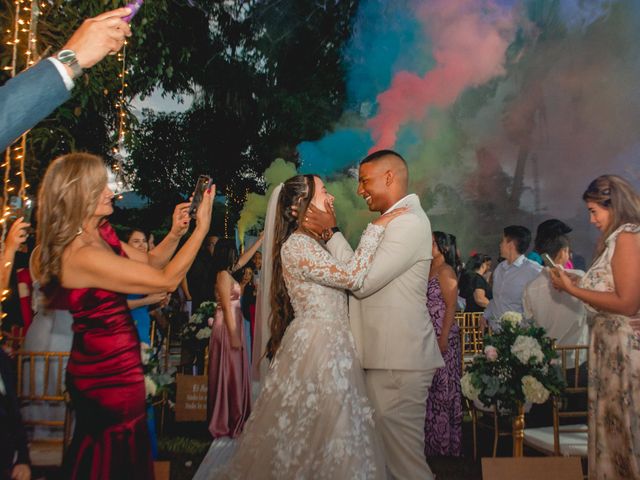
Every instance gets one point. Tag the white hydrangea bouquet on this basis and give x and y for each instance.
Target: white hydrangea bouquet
(198, 328)
(517, 367)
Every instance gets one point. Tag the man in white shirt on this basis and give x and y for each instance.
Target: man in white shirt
(560, 314)
(511, 276)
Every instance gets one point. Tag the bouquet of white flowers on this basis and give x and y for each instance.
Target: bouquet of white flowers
(198, 328)
(516, 367)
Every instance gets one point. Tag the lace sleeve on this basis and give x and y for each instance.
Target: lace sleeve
(306, 258)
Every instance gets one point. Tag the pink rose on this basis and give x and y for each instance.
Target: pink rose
(491, 353)
(210, 321)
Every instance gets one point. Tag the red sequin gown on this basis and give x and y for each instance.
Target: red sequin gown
(106, 384)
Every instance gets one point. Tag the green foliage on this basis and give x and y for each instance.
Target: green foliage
(265, 76)
(197, 329)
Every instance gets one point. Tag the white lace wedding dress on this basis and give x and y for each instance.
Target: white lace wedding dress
(313, 419)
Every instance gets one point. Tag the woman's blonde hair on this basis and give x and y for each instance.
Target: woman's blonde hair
(619, 197)
(68, 196)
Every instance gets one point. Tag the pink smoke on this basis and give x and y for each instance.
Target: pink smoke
(470, 38)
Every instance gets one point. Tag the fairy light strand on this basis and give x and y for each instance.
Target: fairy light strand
(119, 150)
(25, 22)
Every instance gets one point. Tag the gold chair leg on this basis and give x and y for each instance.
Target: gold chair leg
(496, 434)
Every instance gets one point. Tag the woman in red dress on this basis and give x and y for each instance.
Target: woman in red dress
(79, 253)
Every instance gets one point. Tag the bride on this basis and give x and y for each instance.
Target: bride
(312, 418)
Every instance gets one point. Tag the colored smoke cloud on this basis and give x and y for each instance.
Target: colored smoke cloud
(505, 111)
(470, 39)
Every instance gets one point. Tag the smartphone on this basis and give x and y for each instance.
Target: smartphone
(20, 207)
(548, 261)
(134, 7)
(202, 185)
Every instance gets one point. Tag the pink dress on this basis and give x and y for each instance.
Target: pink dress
(229, 402)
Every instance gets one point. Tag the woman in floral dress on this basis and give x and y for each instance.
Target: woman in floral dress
(611, 292)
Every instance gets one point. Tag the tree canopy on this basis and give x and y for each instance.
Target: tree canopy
(264, 75)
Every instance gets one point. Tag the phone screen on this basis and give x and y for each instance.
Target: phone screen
(20, 207)
(547, 261)
(204, 182)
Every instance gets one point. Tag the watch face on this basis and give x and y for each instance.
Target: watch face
(67, 56)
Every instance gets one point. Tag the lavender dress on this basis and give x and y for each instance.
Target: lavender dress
(443, 423)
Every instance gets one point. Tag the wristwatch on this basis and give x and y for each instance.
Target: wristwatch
(68, 57)
(327, 233)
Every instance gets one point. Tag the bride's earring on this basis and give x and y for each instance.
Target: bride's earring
(79, 232)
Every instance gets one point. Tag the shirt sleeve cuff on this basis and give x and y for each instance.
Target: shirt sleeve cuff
(68, 81)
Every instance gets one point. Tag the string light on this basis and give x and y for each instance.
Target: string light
(119, 151)
(25, 25)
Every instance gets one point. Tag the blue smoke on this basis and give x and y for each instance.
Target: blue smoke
(386, 38)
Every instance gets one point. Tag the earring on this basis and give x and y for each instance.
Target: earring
(79, 232)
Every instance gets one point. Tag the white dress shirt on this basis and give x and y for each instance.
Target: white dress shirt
(509, 282)
(563, 316)
(68, 81)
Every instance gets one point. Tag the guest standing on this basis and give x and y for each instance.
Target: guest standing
(229, 399)
(474, 288)
(611, 292)
(139, 304)
(511, 275)
(80, 254)
(443, 423)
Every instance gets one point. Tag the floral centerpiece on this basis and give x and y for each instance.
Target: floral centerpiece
(198, 328)
(517, 367)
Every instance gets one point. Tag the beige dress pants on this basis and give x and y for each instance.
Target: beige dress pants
(400, 401)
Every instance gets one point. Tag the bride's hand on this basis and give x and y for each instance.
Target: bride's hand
(384, 220)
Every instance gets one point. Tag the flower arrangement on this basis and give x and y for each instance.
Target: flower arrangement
(198, 328)
(517, 367)
(156, 382)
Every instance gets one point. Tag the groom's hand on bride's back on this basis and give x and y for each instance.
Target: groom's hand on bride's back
(317, 221)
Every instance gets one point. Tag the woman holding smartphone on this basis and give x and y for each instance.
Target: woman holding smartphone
(81, 257)
(610, 291)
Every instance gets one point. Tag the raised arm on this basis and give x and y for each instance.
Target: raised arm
(314, 263)
(248, 253)
(95, 267)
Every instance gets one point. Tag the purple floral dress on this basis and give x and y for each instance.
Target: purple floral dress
(443, 423)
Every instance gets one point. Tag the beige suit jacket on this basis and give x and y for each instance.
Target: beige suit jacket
(388, 314)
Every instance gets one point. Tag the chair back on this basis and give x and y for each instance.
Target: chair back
(471, 341)
(573, 404)
(40, 378)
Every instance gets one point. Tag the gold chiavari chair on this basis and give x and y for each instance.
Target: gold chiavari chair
(471, 336)
(566, 437)
(41, 383)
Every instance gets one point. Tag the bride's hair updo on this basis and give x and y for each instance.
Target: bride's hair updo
(297, 191)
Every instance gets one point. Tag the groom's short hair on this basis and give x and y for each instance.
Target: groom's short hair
(378, 154)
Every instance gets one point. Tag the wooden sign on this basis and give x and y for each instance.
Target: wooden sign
(162, 470)
(191, 398)
(532, 468)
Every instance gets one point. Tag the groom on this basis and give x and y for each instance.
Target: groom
(391, 325)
